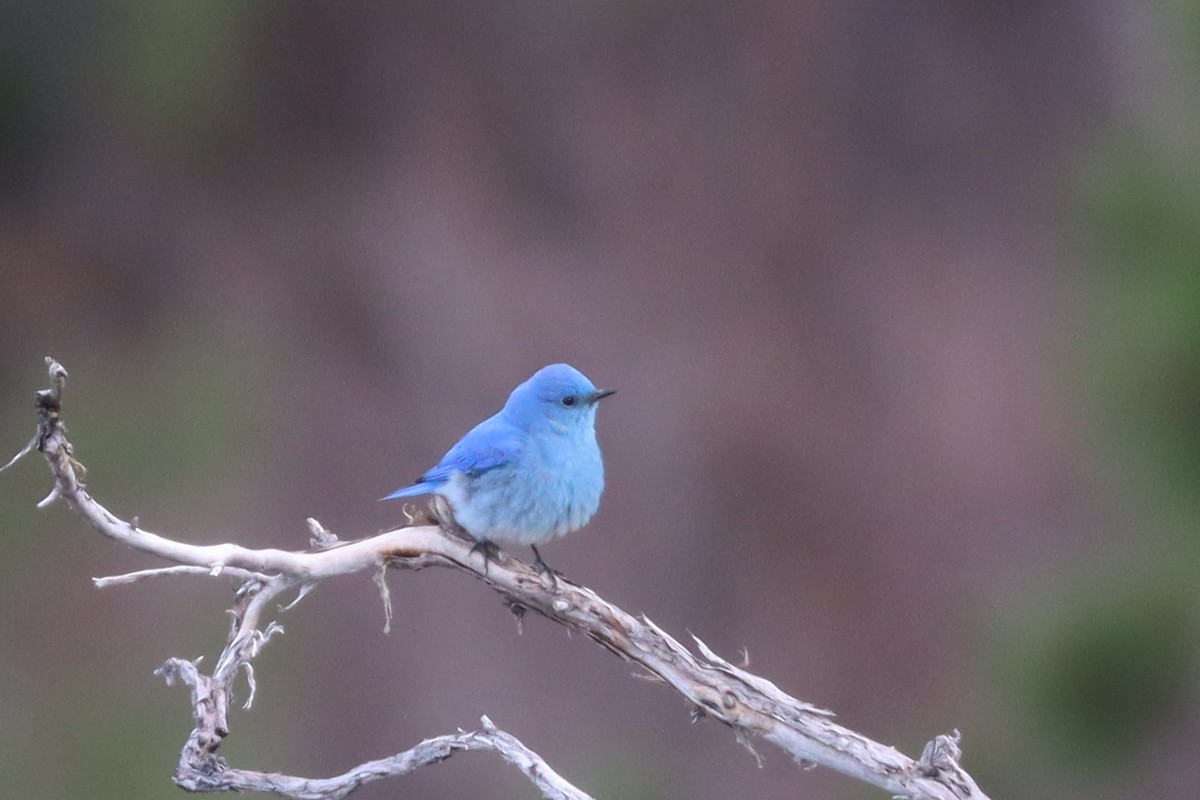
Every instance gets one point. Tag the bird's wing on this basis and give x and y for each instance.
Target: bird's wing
(488, 445)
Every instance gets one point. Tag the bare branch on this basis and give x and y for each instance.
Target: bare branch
(514, 752)
(132, 577)
(210, 773)
(751, 705)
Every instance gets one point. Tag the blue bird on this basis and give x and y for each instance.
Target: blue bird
(530, 472)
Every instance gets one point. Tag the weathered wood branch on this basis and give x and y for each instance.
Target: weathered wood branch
(751, 705)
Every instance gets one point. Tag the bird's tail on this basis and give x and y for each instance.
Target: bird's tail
(410, 491)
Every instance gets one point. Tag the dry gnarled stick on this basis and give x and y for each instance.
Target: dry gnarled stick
(749, 704)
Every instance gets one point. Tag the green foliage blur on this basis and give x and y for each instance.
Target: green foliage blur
(1097, 663)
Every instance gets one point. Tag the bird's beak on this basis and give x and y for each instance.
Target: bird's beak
(600, 394)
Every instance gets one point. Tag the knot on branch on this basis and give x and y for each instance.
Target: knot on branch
(49, 403)
(203, 772)
(939, 760)
(941, 754)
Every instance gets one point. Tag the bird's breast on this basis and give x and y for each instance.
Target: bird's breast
(552, 489)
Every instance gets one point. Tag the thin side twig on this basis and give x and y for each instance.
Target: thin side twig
(180, 569)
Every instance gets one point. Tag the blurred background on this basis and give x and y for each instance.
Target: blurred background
(902, 301)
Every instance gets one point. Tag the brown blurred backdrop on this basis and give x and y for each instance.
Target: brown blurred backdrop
(901, 300)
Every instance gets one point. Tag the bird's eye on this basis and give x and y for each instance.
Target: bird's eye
(569, 400)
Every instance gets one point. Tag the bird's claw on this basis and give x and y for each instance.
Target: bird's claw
(545, 569)
(491, 552)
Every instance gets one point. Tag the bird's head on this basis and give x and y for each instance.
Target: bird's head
(559, 394)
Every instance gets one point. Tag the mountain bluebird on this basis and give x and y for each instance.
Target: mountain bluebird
(530, 472)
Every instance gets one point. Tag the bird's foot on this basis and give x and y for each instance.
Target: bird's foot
(545, 569)
(491, 552)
